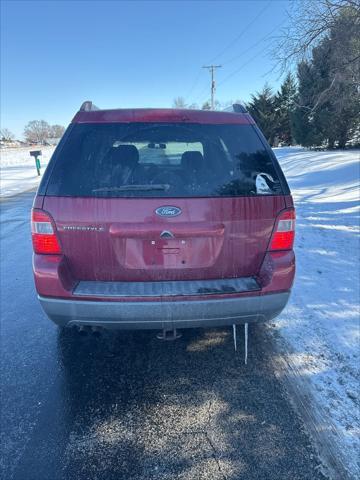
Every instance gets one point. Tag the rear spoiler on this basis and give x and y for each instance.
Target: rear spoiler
(88, 106)
(236, 108)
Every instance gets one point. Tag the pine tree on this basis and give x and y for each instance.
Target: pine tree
(262, 109)
(329, 100)
(305, 127)
(284, 109)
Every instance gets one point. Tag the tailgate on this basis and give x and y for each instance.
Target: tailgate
(122, 239)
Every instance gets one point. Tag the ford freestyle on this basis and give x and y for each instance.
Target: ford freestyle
(162, 219)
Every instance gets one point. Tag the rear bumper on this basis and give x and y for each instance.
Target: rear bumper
(165, 314)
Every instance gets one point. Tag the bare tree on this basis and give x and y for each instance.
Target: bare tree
(179, 102)
(37, 131)
(309, 22)
(6, 135)
(207, 105)
(56, 131)
(323, 35)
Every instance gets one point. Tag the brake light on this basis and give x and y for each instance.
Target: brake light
(43, 235)
(283, 236)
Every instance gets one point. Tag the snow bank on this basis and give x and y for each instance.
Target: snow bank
(17, 169)
(321, 323)
(320, 327)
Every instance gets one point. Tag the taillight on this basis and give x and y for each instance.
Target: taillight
(284, 234)
(44, 237)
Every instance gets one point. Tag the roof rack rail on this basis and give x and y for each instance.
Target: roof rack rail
(88, 106)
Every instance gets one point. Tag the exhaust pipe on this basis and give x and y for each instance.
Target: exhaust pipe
(82, 330)
(96, 331)
(86, 329)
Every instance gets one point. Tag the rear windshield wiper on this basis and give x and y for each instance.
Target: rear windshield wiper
(133, 188)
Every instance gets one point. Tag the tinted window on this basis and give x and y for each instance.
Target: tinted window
(163, 160)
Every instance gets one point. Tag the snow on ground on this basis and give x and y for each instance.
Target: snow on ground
(17, 169)
(321, 325)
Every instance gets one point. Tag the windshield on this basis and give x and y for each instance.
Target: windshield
(163, 160)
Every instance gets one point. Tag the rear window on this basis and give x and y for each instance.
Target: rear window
(163, 160)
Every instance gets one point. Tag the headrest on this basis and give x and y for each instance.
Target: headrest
(192, 161)
(127, 155)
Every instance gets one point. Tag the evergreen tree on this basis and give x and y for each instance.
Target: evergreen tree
(262, 109)
(305, 126)
(329, 100)
(284, 109)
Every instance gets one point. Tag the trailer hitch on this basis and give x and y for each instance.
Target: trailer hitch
(168, 335)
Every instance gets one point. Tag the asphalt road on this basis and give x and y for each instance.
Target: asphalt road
(127, 406)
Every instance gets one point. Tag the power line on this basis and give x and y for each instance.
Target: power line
(237, 70)
(242, 66)
(212, 69)
(244, 30)
(200, 96)
(196, 81)
(229, 46)
(254, 44)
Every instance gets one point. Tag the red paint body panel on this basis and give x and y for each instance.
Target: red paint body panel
(243, 236)
(38, 201)
(277, 271)
(162, 115)
(213, 237)
(52, 276)
(53, 279)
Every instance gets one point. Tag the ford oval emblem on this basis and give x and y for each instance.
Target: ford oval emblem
(168, 211)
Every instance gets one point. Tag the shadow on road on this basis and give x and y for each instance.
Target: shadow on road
(128, 406)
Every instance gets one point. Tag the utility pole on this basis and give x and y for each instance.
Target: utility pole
(212, 69)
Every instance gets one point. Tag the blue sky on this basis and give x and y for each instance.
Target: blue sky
(55, 54)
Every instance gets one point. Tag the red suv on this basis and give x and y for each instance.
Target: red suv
(162, 218)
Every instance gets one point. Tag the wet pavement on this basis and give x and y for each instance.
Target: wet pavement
(128, 406)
